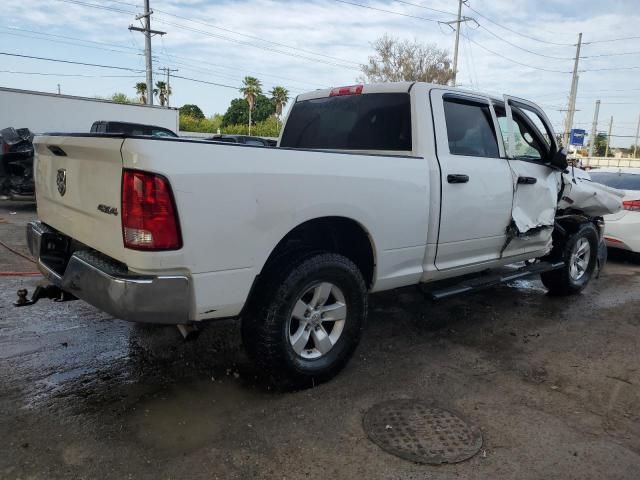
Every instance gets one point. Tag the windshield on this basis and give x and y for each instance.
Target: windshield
(375, 121)
(623, 181)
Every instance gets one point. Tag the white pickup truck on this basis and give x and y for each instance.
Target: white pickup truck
(371, 188)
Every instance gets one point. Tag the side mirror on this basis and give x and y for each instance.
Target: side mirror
(559, 159)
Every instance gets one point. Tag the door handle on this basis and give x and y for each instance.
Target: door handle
(527, 180)
(457, 178)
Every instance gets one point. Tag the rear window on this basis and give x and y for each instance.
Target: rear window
(375, 121)
(623, 181)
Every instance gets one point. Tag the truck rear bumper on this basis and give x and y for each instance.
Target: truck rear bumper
(110, 287)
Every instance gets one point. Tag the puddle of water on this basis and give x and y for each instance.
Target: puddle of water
(190, 416)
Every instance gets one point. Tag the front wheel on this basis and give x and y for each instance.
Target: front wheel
(305, 324)
(580, 254)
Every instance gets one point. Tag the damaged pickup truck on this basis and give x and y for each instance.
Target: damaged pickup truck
(372, 187)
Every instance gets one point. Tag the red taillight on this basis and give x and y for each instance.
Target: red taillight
(149, 219)
(350, 90)
(633, 205)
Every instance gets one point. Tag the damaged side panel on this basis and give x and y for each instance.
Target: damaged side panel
(534, 204)
(592, 199)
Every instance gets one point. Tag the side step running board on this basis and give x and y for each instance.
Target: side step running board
(491, 279)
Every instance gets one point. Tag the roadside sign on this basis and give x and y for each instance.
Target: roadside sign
(577, 137)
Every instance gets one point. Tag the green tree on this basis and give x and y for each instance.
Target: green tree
(238, 111)
(251, 88)
(141, 90)
(600, 145)
(401, 60)
(120, 97)
(266, 128)
(204, 125)
(162, 91)
(191, 110)
(279, 97)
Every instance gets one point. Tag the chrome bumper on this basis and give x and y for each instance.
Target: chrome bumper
(110, 287)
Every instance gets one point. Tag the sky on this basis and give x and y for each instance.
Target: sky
(524, 48)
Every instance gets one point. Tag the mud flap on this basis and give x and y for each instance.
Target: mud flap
(602, 257)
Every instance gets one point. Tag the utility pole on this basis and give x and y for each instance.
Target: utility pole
(594, 128)
(147, 46)
(455, 48)
(635, 145)
(168, 72)
(571, 110)
(606, 152)
(58, 89)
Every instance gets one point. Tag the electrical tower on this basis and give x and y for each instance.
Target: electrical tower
(460, 20)
(571, 108)
(146, 30)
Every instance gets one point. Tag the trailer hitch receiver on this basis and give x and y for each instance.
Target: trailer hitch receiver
(42, 291)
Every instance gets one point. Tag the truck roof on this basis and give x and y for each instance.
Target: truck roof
(390, 87)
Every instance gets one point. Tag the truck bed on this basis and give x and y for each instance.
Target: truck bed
(234, 203)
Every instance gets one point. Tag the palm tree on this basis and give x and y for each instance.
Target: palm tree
(162, 92)
(251, 88)
(279, 97)
(141, 90)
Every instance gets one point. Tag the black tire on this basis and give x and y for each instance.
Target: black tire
(266, 323)
(560, 282)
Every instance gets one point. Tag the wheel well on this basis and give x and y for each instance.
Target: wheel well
(330, 234)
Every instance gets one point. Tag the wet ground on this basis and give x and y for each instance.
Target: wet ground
(553, 383)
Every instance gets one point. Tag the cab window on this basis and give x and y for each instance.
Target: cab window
(470, 129)
(530, 143)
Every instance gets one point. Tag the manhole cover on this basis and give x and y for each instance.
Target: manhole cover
(419, 432)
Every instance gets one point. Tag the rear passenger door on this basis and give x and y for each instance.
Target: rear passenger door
(477, 184)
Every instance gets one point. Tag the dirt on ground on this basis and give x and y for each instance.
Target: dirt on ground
(553, 384)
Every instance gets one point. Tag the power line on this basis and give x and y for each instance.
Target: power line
(228, 30)
(522, 48)
(219, 36)
(71, 62)
(205, 81)
(389, 11)
(270, 49)
(70, 43)
(514, 61)
(635, 67)
(610, 54)
(68, 74)
(71, 38)
(425, 8)
(612, 40)
(132, 50)
(100, 7)
(516, 32)
(255, 37)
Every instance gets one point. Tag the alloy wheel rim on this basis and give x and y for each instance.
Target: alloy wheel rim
(317, 320)
(580, 257)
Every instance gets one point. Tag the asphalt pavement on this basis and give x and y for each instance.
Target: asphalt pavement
(553, 384)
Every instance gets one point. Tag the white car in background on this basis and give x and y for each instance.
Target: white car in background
(622, 229)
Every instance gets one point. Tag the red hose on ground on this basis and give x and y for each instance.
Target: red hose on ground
(17, 252)
(17, 274)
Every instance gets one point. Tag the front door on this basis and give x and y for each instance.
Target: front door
(529, 142)
(476, 180)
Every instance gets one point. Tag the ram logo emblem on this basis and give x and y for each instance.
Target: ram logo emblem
(61, 181)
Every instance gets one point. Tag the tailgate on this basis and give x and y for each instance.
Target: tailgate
(78, 183)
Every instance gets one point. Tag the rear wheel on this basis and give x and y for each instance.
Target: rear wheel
(307, 319)
(579, 251)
